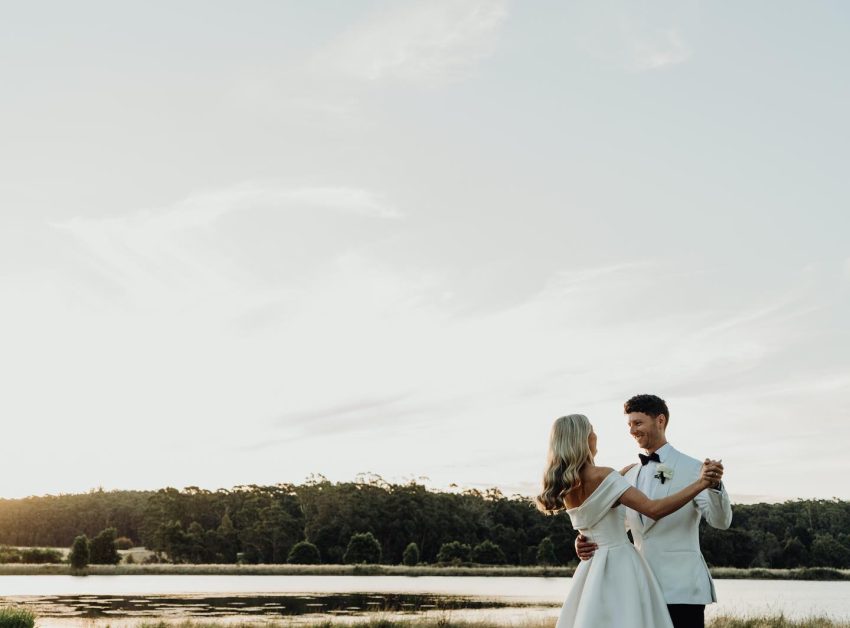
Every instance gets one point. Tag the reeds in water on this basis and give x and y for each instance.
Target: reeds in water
(12, 617)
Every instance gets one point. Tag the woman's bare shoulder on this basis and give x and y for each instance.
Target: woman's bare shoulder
(627, 468)
(600, 473)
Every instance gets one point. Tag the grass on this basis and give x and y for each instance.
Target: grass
(775, 622)
(447, 622)
(11, 617)
(804, 573)
(18, 569)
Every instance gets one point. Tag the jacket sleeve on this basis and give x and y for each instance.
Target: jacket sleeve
(715, 507)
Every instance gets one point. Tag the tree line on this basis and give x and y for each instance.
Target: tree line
(370, 520)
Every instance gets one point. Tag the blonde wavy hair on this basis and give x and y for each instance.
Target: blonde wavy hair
(569, 451)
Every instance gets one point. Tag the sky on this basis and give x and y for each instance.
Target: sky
(244, 243)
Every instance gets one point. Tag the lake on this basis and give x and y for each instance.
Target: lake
(68, 601)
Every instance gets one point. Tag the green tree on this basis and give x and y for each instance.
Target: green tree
(546, 552)
(102, 548)
(410, 557)
(795, 554)
(488, 553)
(175, 542)
(453, 552)
(803, 533)
(80, 552)
(304, 553)
(229, 539)
(39, 555)
(731, 548)
(828, 552)
(269, 521)
(197, 543)
(362, 547)
(10, 555)
(769, 550)
(272, 535)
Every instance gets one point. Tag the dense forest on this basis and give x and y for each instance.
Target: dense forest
(321, 521)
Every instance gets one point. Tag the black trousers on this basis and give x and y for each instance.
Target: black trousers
(687, 615)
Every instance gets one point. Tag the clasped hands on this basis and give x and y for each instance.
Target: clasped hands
(711, 473)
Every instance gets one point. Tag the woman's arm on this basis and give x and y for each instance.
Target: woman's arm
(658, 508)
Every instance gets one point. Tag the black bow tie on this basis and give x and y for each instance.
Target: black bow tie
(644, 460)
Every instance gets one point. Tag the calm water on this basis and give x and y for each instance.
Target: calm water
(67, 601)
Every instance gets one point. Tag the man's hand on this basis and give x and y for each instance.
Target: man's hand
(584, 547)
(712, 472)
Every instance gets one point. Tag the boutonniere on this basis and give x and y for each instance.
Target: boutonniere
(663, 473)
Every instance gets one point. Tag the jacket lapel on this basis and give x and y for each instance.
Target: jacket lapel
(663, 490)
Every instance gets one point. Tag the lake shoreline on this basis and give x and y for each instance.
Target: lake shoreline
(166, 569)
(447, 622)
(75, 602)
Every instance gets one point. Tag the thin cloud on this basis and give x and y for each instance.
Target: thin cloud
(203, 209)
(356, 417)
(619, 36)
(783, 310)
(343, 199)
(354, 408)
(155, 252)
(422, 42)
(366, 414)
(807, 387)
(654, 51)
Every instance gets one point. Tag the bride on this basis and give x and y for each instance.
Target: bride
(616, 588)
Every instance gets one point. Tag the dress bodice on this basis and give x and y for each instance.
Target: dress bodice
(610, 531)
(598, 518)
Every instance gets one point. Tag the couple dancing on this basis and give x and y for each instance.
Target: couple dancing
(662, 580)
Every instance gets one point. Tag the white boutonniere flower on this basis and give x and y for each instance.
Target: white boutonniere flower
(663, 473)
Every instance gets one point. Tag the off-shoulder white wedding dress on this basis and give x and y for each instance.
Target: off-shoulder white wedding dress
(615, 588)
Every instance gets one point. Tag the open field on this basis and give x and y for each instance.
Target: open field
(17, 569)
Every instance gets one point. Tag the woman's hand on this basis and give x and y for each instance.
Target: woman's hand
(712, 472)
(628, 468)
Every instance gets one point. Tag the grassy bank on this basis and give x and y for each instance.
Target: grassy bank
(19, 618)
(447, 622)
(11, 617)
(16, 569)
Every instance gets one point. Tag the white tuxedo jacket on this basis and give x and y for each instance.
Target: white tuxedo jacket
(671, 545)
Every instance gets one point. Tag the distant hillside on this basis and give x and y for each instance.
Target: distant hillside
(262, 524)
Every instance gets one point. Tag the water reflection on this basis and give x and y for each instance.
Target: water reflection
(263, 606)
(125, 601)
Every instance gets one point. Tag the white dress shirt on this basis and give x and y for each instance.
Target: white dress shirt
(646, 480)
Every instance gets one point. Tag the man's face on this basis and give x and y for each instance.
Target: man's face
(647, 431)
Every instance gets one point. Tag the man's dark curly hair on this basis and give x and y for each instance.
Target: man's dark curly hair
(648, 404)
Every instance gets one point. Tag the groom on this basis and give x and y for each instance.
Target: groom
(670, 546)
